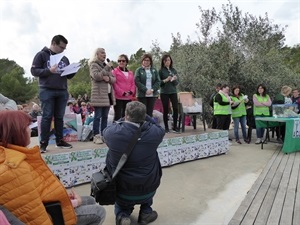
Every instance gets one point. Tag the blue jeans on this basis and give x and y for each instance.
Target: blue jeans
(54, 104)
(237, 121)
(124, 207)
(90, 213)
(100, 113)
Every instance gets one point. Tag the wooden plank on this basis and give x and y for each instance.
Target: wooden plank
(296, 216)
(258, 199)
(266, 206)
(276, 210)
(243, 208)
(289, 203)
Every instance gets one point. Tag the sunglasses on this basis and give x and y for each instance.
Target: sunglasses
(121, 60)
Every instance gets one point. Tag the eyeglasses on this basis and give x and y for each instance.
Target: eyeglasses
(121, 60)
(148, 60)
(62, 47)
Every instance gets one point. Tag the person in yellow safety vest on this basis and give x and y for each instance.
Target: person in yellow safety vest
(239, 113)
(222, 108)
(261, 108)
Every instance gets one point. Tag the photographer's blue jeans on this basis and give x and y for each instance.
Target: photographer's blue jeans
(237, 121)
(54, 104)
(124, 207)
(100, 113)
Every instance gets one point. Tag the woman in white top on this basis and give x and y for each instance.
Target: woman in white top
(147, 82)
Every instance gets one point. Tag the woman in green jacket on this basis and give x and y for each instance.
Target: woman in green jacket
(147, 83)
(168, 91)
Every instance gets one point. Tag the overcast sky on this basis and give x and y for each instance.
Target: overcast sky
(118, 26)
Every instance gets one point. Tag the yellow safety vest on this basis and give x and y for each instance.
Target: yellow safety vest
(241, 109)
(222, 109)
(261, 110)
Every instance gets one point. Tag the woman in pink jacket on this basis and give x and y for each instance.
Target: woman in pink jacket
(124, 86)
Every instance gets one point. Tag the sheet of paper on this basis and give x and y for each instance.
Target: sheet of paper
(33, 125)
(72, 68)
(55, 59)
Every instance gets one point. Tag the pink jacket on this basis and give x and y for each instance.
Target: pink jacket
(3, 219)
(123, 84)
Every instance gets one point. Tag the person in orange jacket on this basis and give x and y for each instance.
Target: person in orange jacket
(26, 181)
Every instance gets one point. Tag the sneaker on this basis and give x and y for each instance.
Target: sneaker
(43, 147)
(167, 131)
(147, 218)
(123, 220)
(246, 141)
(258, 141)
(176, 131)
(97, 139)
(63, 144)
(238, 141)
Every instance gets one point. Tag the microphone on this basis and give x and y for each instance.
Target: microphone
(108, 60)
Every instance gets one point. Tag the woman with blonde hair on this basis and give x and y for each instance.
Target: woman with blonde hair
(282, 98)
(102, 92)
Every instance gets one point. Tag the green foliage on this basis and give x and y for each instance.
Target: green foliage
(13, 84)
(232, 48)
(81, 82)
(236, 49)
(135, 60)
(292, 57)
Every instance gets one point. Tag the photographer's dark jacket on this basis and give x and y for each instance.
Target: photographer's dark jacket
(142, 172)
(41, 68)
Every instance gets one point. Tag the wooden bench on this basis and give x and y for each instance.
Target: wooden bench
(274, 198)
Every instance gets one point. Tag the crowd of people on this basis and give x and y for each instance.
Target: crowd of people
(109, 87)
(140, 177)
(238, 107)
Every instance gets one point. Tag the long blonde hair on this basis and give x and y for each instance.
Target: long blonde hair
(286, 90)
(94, 57)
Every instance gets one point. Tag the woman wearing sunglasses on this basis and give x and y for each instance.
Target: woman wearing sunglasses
(124, 86)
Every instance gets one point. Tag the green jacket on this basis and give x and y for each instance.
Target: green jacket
(140, 81)
(279, 99)
(169, 87)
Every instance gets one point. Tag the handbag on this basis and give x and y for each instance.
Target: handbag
(103, 185)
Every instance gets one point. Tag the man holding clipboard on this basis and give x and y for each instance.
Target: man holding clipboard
(48, 65)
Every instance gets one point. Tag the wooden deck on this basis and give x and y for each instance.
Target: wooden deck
(274, 198)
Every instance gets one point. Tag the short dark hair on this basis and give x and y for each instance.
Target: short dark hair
(59, 38)
(219, 85)
(147, 56)
(125, 57)
(224, 86)
(135, 112)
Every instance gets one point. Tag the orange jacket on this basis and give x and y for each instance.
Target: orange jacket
(26, 182)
